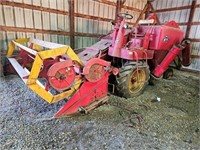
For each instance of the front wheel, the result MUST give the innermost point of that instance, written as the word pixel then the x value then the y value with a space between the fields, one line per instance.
pixel 130 81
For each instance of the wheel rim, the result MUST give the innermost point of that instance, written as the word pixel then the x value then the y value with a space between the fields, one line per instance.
pixel 136 81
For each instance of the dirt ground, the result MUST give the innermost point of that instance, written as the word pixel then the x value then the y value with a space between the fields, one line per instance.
pixel 172 123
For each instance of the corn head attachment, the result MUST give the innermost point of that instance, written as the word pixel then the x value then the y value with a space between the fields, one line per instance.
pixel 55 72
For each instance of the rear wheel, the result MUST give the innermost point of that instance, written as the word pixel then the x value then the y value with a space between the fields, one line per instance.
pixel 130 81
pixel 168 73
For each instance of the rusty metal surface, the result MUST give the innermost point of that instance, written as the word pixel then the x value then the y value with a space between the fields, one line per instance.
pixel 94 50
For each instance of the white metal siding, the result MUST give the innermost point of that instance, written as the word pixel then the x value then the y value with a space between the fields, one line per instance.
pixel 182 16
pixel 35 19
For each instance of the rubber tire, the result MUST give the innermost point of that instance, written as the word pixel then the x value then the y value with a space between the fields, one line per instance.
pixel 168 73
pixel 122 79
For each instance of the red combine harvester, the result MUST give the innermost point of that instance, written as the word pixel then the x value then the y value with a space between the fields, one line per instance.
pixel 127 55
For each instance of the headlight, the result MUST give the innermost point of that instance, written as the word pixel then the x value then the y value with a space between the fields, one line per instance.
pixel 125 26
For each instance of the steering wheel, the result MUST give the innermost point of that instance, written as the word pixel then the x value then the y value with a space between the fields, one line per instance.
pixel 125 16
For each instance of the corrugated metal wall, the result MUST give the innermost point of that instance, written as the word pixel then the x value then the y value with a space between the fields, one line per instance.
pixel 182 16
pixel 83 25
pixel 138 4
pixel 27 18
pixel 20 17
pixel 195 33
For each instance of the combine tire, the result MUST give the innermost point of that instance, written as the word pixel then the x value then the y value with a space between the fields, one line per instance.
pixel 129 84
pixel 168 73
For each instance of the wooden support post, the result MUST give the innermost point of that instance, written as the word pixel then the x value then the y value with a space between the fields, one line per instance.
pixel 192 10
pixel 153 10
pixel 118 7
pixel 71 16
pixel 147 9
pixel 1 66
pixel 176 8
pixel 142 13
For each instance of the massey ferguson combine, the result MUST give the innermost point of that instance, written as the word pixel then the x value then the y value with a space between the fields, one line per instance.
pixel 128 56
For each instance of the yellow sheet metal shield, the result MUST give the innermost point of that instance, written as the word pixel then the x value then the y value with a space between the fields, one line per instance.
pixel 33 82
pixel 12 45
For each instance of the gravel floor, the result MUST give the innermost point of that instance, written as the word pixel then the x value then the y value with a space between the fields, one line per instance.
pixel 172 123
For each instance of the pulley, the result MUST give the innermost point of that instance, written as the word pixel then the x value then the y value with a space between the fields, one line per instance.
pixel 61 75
